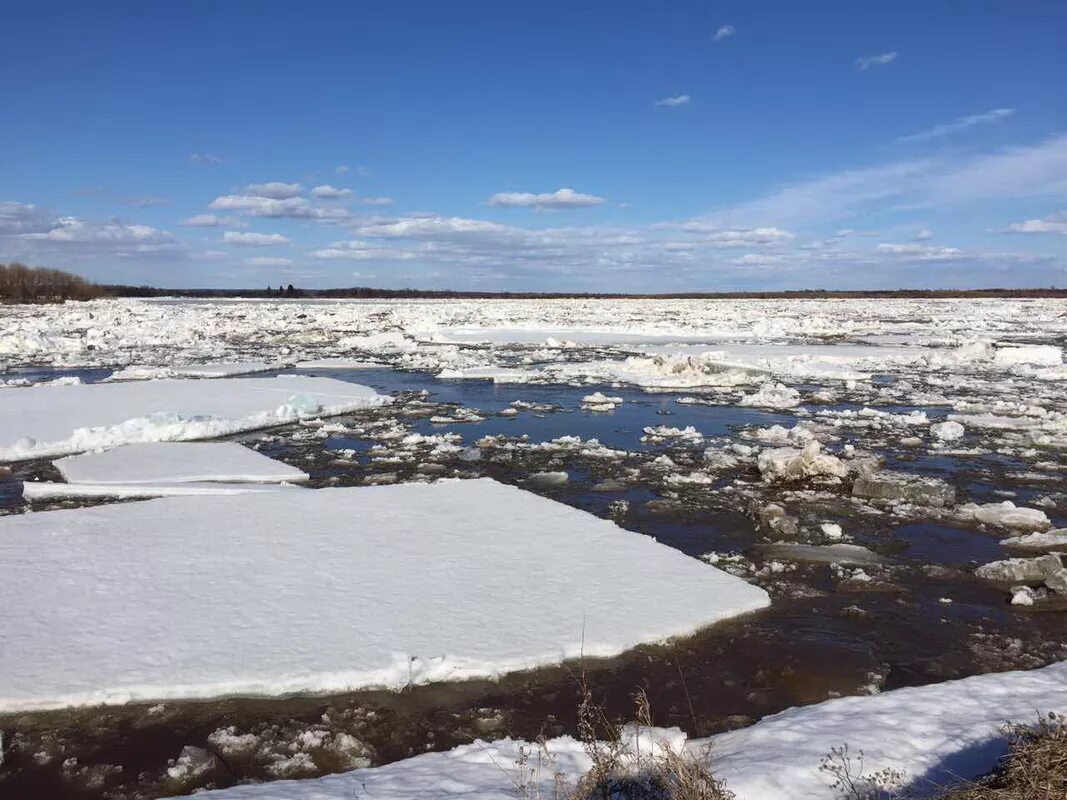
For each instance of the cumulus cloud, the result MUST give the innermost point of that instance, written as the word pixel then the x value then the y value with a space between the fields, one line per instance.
pixel 559 199
pixel 864 63
pixel 328 192
pixel 254 239
pixel 1053 223
pixel 268 261
pixel 376 201
pixel 212 221
pixel 673 101
pixel 204 158
pixel 724 32
pixel 960 124
pixel 276 190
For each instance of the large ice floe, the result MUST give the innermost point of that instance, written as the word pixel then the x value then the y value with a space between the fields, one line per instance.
pixel 164 469
pixel 56 420
pixel 177 462
pixel 928 737
pixel 330 590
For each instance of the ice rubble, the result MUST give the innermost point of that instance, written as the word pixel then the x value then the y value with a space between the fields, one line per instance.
pixel 176 462
pixel 49 421
pixel 329 590
pixel 938 734
pixel 788 464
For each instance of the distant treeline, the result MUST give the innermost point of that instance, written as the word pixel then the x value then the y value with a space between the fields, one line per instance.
pixel 22 284
pixel 363 292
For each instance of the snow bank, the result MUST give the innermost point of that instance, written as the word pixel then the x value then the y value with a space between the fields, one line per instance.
pixel 329 590
pixel 177 462
pixel 51 421
pixel 939 734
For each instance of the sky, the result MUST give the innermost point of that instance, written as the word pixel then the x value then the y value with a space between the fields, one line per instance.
pixel 552 146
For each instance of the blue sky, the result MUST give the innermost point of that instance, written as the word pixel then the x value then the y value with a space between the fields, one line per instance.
pixel 552 146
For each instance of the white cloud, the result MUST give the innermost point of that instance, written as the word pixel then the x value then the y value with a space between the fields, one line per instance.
pixel 957 125
pixel 326 191
pixel 341 169
pixel 923 252
pixel 376 201
pixel 254 239
pixel 268 261
pixel 357 250
pixel 276 190
pixel 724 32
pixel 866 62
pixel 291 207
pixel 923 235
pixel 415 227
pixel 673 101
pixel 1033 171
pixel 1053 223
pixel 71 230
pixel 16 218
pixel 212 221
pixel 561 198
pixel 736 237
pixel 204 158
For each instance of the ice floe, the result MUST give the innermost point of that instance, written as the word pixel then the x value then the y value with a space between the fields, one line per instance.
pixel 329 590
pixel 177 462
pixel 49 421
pixel 219 370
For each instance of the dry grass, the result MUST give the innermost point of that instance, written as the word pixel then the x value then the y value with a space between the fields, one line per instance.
pixel 1035 767
pixel 626 763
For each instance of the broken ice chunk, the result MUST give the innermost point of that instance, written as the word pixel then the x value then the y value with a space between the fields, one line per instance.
pixel 1020 570
pixel 899 488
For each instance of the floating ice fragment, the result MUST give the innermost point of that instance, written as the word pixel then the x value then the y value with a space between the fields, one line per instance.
pixel 1020 570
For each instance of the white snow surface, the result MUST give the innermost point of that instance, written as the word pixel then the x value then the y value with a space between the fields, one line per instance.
pixel 329 590
pixel 56 420
pixel 176 462
pixel 938 734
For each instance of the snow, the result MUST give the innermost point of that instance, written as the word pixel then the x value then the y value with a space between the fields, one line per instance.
pixel 329 590
pixel 939 734
pixel 50 421
pixel 177 462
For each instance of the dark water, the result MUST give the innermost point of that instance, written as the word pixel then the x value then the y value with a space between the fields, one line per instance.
pixel 924 618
